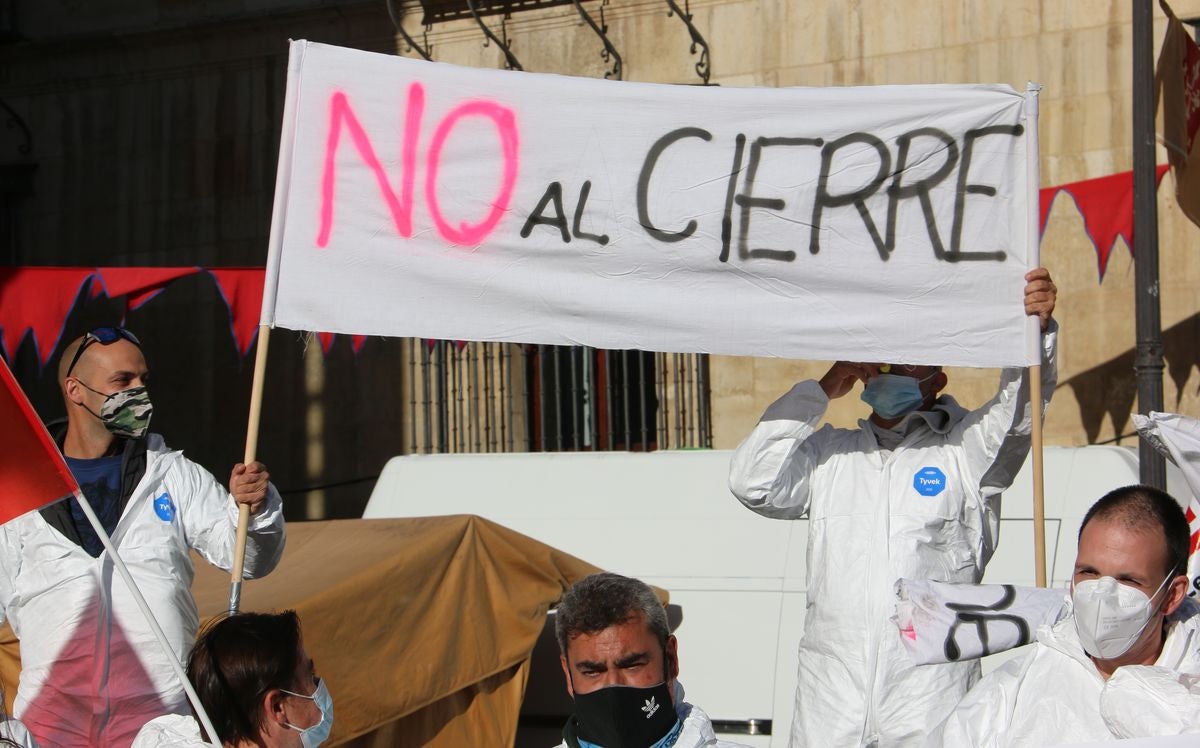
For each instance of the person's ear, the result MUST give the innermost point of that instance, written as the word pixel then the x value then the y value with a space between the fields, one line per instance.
pixel 274 718
pixel 1176 593
pixel 672 655
pixel 566 674
pixel 73 390
pixel 939 382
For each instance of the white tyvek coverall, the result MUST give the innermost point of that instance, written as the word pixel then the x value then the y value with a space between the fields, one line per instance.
pixel 1053 695
pixel 92 672
pixel 12 729
pixel 170 731
pixel 868 527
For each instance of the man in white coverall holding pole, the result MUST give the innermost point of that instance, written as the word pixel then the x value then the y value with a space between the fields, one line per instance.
pixel 913 492
pixel 1125 662
pixel 92 672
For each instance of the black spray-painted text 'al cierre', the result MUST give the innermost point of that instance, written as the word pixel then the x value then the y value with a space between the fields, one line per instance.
pixel 740 198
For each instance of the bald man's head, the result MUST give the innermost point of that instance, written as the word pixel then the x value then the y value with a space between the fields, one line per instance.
pixel 93 369
pixel 80 354
pixel 1152 510
pixel 100 369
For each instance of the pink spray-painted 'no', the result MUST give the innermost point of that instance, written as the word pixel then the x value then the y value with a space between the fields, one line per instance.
pixel 341 116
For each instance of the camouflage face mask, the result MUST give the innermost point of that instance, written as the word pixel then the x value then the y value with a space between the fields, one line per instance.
pixel 126 413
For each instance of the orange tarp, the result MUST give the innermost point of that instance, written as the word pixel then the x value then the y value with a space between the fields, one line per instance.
pixel 421 627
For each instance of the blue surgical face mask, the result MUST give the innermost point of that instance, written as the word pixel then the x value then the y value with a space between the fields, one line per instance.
pixel 893 395
pixel 310 737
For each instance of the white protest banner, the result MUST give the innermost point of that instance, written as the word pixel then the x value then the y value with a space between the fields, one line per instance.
pixel 950 622
pixel 427 200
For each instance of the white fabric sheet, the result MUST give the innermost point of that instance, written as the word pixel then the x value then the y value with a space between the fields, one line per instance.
pixel 944 622
pixel 1178 439
pixel 422 199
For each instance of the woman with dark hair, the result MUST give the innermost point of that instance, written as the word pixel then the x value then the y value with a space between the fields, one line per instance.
pixel 257 684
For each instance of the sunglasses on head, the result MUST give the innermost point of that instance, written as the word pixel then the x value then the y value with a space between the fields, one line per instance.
pixel 901 368
pixel 103 336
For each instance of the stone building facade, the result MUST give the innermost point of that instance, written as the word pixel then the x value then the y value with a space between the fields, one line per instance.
pixel 155 128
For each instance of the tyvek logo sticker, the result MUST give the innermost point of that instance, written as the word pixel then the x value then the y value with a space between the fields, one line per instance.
pixel 929 481
pixel 164 508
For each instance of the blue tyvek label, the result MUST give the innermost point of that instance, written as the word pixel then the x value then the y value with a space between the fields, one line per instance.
pixel 929 481
pixel 164 507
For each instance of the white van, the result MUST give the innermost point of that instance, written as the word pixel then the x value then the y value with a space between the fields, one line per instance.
pixel 735 578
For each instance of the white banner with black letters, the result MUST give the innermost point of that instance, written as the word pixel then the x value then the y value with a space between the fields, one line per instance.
pixel 950 622
pixel 427 200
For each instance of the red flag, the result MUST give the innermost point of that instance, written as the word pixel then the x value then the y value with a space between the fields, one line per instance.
pixel 1193 567
pixel 32 470
pixel 1177 84
pixel 37 301
pixel 1106 204
pixel 140 284
pixel 242 289
pixel 326 339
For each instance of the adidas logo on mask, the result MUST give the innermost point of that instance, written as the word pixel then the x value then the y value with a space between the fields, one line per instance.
pixel 650 707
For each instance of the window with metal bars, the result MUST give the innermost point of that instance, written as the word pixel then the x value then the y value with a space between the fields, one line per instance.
pixel 436 11
pixel 501 397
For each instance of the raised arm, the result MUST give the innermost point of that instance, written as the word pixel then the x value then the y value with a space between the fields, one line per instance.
pixel 210 517
pixel 771 469
pixel 996 436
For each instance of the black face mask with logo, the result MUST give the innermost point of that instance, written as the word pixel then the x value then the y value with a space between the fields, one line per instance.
pixel 624 716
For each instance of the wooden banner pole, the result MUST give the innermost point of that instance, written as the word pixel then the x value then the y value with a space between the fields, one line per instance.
pixel 256 394
pixel 1039 502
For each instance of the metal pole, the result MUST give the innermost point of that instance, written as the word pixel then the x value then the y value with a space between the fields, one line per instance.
pixel 590 413
pixel 558 392
pixel 427 404
pixel 576 399
pixel 412 344
pixel 442 399
pixel 473 383
pixel 704 402
pixel 677 379
pixel 689 379
pixel 1148 362
pixel 488 400
pixel 609 368
pixel 626 391
pixel 660 377
pixel 506 436
pixel 460 421
pixel 641 394
pixel 542 389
